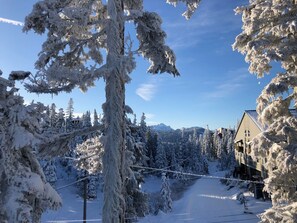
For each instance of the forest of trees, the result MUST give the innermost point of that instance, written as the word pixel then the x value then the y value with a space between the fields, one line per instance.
pixel 178 151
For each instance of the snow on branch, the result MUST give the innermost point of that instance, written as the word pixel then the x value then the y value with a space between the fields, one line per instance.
pixel 57 79
pixel 275 99
pixel 269 34
pixel 192 5
pixel 58 145
pixel 152 44
pixel 70 56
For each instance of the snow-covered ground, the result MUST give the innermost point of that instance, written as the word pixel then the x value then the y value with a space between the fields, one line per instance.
pixel 72 207
pixel 207 201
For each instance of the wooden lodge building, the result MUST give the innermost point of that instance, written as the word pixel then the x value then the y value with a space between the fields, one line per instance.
pixel 248 128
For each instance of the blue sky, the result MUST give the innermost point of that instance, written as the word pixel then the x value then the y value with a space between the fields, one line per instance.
pixel 214 88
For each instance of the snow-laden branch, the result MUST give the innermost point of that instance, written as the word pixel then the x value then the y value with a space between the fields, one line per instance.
pixel 76 33
pixel 56 79
pixel 58 145
pixel 192 5
pixel 275 99
pixel 152 44
pixel 269 34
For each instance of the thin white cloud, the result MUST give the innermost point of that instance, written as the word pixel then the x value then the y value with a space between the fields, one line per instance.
pixel 201 25
pixel 12 22
pixel 233 82
pixel 146 91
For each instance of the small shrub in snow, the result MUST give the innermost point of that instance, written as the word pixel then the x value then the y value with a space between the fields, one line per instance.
pixel 241 198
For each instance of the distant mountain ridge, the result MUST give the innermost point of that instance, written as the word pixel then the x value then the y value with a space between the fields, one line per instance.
pixel 161 128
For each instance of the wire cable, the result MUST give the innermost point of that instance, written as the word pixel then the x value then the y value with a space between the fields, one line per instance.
pixel 209 176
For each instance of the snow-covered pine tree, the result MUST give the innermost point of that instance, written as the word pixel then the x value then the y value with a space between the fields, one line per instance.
pixel 207 148
pixel 196 164
pixel 143 128
pixel 136 200
pixel 173 160
pixel 89 158
pixel 221 149
pixel 86 120
pixel 216 143
pixel 61 120
pixel 71 57
pixel 49 169
pixel 151 146
pixel 53 115
pixel 166 194
pixel 161 159
pixel 70 109
pixel 270 35
pixel 24 192
pixel 69 116
pixel 96 119
pixel 231 162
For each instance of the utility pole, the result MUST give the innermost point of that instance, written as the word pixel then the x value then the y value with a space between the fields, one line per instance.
pixel 85 198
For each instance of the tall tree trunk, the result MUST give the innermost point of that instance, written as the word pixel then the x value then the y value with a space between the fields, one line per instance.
pixel 114 112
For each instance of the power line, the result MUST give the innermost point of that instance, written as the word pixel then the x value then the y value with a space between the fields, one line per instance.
pixel 209 176
pixel 67 185
pixel 167 167
pixel 187 174
pixel 66 221
pixel 88 220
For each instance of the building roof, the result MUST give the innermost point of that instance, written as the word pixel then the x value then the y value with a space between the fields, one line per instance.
pixel 254 116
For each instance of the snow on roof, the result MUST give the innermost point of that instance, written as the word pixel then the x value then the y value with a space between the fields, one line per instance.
pixel 254 116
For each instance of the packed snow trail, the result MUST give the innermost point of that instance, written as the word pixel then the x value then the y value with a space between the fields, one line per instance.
pixel 209 201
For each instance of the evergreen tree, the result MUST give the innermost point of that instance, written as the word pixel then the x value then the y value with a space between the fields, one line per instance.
pixel 69 116
pixel 269 35
pixel 166 194
pixel 136 200
pixel 61 120
pixel 143 128
pixel 173 159
pixel 89 161
pixel 96 119
pixel 70 109
pixel 49 170
pixel 217 144
pixel 86 120
pixel 71 57
pixel 24 192
pixel 231 162
pixel 151 147
pixel 207 149
pixel 161 159
pixel 53 115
